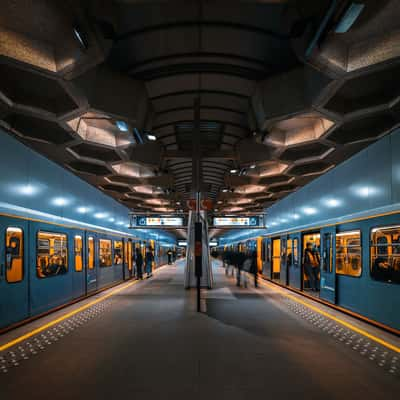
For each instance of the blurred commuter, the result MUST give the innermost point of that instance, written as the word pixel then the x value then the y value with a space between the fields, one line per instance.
pixel 149 262
pixel 173 255
pixel 239 259
pixel 253 267
pixel 226 259
pixel 169 254
pixel 139 263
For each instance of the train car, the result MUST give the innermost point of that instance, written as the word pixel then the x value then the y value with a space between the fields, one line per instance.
pixel 357 268
pixel 337 238
pixel 49 265
pixel 357 265
pixel 60 238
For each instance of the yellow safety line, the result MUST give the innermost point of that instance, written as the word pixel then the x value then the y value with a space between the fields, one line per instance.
pixel 336 319
pixel 64 317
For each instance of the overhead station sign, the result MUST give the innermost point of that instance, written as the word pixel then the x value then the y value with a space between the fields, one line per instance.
pixel 236 221
pixel 159 221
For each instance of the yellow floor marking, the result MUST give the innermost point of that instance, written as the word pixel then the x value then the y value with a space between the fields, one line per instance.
pixel 63 317
pixel 336 319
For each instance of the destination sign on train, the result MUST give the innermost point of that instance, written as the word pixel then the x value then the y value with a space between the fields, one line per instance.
pixel 159 221
pixel 236 221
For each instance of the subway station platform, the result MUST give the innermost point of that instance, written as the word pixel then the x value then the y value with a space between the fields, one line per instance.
pixel 145 340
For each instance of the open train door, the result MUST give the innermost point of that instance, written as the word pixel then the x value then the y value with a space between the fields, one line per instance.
pixel 293 261
pixel 328 270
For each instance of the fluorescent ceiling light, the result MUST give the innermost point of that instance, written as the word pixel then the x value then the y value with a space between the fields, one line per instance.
pixel 252 166
pixel 332 203
pixel 151 137
pixel 100 215
pixel 233 171
pixel 60 201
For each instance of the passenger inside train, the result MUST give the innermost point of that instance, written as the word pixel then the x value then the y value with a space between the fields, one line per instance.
pixel 311 262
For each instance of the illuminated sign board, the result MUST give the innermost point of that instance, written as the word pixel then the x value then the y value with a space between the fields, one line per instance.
pixel 159 221
pixel 236 221
pixel 183 243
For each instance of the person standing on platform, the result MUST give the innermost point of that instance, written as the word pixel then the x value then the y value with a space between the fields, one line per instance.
pixel 139 263
pixel 169 254
pixel 253 267
pixel 173 255
pixel 149 262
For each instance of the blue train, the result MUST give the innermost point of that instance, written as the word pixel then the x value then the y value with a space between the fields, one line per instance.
pixel 356 265
pixel 60 238
pixel 47 265
pixel 349 218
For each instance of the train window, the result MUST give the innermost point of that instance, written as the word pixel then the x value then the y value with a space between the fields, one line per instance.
pixel 105 253
pixel 296 252
pixel 90 252
pixel 118 252
pixel 268 255
pixel 51 254
pixel 276 258
pixel 348 253
pixel 385 254
pixel 78 253
pixel 129 255
pixel 14 255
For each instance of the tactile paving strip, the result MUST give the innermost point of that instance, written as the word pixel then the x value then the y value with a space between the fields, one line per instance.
pixel 385 358
pixel 36 344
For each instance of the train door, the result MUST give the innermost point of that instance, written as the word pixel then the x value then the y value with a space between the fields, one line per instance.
pixel 14 271
pixel 293 261
pixel 283 274
pixel 328 273
pixel 128 270
pixel 78 270
pixel 267 267
pixel 276 258
pixel 91 268
pixel 311 262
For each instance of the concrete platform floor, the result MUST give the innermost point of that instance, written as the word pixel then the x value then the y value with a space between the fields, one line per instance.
pixel 150 343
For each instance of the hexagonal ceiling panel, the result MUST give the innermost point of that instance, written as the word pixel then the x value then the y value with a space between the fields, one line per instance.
pixel 312 150
pixel 95 152
pixel 21 88
pixel 40 129
pixel 299 129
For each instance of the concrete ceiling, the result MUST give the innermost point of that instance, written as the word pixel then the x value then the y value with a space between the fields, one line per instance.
pixel 283 96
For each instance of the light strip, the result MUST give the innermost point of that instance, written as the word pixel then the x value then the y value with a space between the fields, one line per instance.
pixel 53 217
pixel 382 228
pixel 336 319
pixel 348 233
